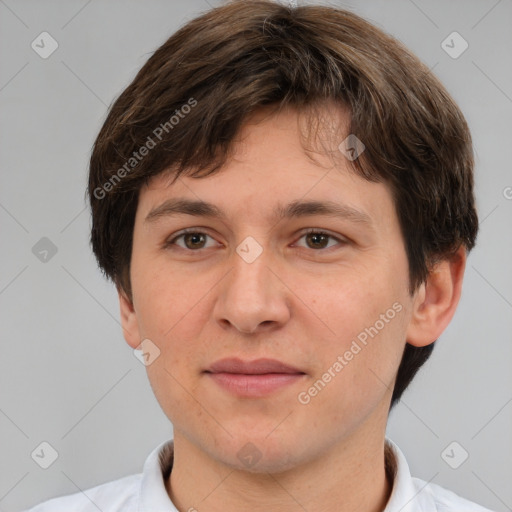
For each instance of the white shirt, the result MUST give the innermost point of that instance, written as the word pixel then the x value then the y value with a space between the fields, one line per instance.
pixel 145 492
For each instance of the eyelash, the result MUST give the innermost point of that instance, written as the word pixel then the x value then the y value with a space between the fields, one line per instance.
pixel 171 242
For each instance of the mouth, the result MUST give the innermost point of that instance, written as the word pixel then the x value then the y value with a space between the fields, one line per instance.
pixel 253 379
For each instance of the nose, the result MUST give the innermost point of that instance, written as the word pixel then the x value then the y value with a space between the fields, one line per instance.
pixel 253 297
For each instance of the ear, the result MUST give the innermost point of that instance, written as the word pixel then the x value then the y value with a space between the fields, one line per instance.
pixel 129 321
pixel 436 300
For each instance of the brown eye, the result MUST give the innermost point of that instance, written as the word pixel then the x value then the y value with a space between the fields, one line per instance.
pixel 194 240
pixel 317 240
pixel 189 240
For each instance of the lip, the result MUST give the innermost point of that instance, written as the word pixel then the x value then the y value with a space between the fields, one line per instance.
pixel 253 379
pixel 255 367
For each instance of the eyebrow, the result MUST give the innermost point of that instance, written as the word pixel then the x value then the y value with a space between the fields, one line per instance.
pixel 294 209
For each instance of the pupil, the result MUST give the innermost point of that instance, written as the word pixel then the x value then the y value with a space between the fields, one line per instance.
pixel 315 237
pixel 194 238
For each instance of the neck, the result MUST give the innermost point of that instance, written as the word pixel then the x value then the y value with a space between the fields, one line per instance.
pixel 351 476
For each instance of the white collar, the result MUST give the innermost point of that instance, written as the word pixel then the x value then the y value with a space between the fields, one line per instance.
pixel 407 495
pixel 153 494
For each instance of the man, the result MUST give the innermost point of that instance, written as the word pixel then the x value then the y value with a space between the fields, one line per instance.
pixel 283 198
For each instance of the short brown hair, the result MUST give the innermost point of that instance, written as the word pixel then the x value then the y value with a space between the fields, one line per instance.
pixel 188 102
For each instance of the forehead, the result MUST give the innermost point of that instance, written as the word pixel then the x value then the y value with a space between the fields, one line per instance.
pixel 273 165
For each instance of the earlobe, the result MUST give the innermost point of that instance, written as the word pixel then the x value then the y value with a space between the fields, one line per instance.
pixel 129 321
pixel 436 300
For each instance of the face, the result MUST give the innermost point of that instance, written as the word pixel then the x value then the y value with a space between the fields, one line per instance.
pixel 281 320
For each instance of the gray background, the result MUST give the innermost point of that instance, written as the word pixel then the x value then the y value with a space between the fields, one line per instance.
pixel 68 377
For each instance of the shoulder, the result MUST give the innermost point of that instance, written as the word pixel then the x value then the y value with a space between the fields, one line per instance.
pixel 115 496
pixel 444 499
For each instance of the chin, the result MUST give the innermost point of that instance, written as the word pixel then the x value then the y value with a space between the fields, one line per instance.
pixel 259 454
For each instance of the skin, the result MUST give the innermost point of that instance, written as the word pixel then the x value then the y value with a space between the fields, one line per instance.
pixel 302 301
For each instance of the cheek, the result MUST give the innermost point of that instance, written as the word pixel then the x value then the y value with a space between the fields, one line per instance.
pixel 357 372
pixel 165 298
pixel 168 313
pixel 367 317
pixel 349 301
